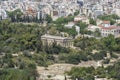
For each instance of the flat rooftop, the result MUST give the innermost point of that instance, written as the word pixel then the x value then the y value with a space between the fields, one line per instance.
pixel 54 37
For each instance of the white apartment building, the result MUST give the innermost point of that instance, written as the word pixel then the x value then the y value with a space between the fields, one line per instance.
pixel 3 14
pixel 107 29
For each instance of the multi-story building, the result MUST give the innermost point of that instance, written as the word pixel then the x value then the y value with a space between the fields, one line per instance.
pixel 81 18
pixel 63 41
pixel 3 14
pixel 107 29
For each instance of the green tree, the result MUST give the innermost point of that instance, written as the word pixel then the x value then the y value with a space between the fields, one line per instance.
pixel 92 21
pixel 48 18
pixel 109 42
pixel 112 18
pixel 82 26
pixel 97 33
pixel 15 15
pixel 76 13
pixel 82 73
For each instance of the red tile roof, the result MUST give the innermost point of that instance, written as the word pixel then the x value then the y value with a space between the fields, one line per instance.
pixel 110 27
pixel 106 22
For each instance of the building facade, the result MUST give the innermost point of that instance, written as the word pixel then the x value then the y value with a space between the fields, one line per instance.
pixel 107 29
pixel 62 41
pixel 110 30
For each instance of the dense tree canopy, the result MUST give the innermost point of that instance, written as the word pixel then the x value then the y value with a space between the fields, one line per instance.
pixel 19 37
pixel 112 18
pixel 110 72
pixel 25 40
pixel 92 21
pixel 83 27
pixel 82 73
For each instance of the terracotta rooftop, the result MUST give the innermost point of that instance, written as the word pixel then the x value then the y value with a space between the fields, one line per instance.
pixel 110 27
pixel 106 22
